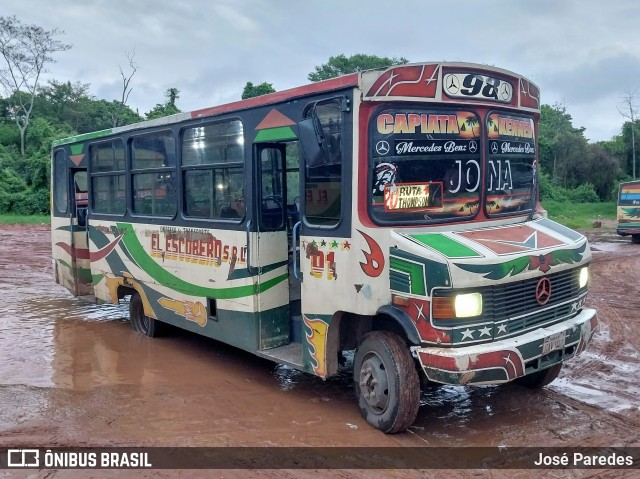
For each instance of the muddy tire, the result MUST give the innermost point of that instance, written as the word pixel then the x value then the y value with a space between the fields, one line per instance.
pixel 141 322
pixel 386 382
pixel 635 239
pixel 540 379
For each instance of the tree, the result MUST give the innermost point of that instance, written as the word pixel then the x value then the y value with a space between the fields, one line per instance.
pixel 26 50
pixel 126 89
pixel 168 107
pixel 629 110
pixel 561 146
pixel 601 170
pixel 341 65
pixel 251 90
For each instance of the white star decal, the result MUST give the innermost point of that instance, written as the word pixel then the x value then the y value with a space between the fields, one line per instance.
pixel 420 312
pixel 468 334
pixel 485 331
pixel 502 328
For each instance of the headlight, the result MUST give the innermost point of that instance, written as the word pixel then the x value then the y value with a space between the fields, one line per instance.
pixel 584 277
pixel 459 306
pixel 468 305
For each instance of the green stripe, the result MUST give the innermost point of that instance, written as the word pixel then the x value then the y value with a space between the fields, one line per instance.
pixel 163 277
pixel 415 272
pixel 83 137
pixel 445 245
pixel 273 134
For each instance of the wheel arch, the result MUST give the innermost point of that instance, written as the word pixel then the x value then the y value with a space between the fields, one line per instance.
pixel 346 330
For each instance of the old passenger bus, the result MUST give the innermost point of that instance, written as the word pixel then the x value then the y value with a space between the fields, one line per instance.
pixel 629 210
pixel 390 212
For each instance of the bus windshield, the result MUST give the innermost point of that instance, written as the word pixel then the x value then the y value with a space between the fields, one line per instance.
pixel 629 194
pixel 511 164
pixel 427 165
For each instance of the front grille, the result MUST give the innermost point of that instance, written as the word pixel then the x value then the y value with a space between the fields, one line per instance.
pixel 513 300
pixel 516 302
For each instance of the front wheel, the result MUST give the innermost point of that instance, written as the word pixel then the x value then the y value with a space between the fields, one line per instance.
pixel 386 382
pixel 635 239
pixel 540 379
pixel 140 322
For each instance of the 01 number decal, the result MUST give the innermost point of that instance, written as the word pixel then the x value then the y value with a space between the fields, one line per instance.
pixel 472 85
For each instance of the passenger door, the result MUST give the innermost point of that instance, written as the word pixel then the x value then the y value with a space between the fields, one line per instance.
pixel 70 232
pixel 269 255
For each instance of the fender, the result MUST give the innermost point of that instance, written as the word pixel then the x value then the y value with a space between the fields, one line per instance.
pixel 403 319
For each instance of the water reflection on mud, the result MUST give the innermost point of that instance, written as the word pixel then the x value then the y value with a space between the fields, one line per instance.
pixel 74 373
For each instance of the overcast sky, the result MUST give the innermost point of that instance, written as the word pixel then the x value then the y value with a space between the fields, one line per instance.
pixel 582 53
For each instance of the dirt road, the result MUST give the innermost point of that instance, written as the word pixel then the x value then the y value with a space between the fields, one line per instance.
pixel 75 374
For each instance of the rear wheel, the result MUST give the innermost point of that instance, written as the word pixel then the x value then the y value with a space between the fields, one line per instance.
pixel 140 322
pixel 386 382
pixel 540 379
pixel 635 239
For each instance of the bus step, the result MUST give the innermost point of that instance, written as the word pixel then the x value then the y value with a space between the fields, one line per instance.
pixel 290 355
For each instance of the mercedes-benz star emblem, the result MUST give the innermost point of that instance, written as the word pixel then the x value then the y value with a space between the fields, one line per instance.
pixel 543 291
pixel 473 146
pixel 452 85
pixel 494 148
pixel 382 148
pixel 505 91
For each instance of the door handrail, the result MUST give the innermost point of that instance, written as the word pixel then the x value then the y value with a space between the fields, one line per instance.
pixel 294 245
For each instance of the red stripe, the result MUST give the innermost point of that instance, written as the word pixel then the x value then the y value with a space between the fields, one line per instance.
pixel 327 85
pixel 78 253
pixel 101 253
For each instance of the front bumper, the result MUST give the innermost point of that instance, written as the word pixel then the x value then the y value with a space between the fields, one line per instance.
pixel 505 360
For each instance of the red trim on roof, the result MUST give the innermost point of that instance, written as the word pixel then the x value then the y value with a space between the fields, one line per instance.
pixel 326 85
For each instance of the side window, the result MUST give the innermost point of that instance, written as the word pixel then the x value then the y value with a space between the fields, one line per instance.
pixel 60 182
pixel 323 197
pixel 153 174
pixel 108 191
pixel 272 186
pixel 213 171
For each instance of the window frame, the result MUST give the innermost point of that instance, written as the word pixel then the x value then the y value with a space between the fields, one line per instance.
pixel 228 170
pixel 136 171
pixel 114 173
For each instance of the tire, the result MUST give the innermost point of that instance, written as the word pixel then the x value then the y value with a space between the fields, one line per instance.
pixel 635 239
pixel 540 379
pixel 140 322
pixel 386 382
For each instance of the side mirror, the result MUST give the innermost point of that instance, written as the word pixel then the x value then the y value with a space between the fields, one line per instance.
pixel 312 141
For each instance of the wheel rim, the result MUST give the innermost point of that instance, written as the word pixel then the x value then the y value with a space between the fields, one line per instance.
pixel 374 382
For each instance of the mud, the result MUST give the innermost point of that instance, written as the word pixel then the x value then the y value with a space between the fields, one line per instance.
pixel 75 374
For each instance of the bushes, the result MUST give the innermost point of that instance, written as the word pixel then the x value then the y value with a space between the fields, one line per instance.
pixel 585 193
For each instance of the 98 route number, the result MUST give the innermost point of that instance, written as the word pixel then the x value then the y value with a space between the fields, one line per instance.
pixel 472 85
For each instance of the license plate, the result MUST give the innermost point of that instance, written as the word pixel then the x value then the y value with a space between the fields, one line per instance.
pixel 553 342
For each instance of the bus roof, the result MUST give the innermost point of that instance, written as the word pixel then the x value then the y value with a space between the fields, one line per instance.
pixel 401 82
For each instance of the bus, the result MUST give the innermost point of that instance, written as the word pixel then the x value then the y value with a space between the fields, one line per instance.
pixel 629 210
pixel 389 216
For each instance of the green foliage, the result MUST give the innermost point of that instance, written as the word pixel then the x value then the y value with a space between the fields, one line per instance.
pixel 251 90
pixel 9 134
pixel 565 155
pixel 584 193
pixel 341 65
pixel 168 107
pixel 550 191
pixel 627 135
